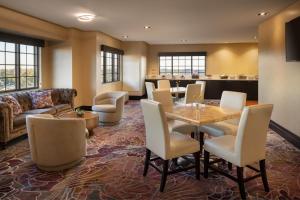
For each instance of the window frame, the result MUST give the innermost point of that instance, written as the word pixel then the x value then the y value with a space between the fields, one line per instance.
pixel 17 65
pixel 181 54
pixel 116 54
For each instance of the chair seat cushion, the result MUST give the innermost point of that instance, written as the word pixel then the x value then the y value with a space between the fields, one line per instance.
pixel 104 108
pixel 181 145
pixel 62 107
pixel 219 129
pixel 222 147
pixel 181 127
pixel 51 111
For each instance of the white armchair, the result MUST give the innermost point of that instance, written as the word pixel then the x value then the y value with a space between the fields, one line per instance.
pixel 163 85
pixel 150 87
pixel 165 144
pixel 165 98
pixel 231 100
pixel 110 106
pixel 244 149
pixel 56 144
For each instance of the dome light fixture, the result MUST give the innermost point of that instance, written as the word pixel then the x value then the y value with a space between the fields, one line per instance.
pixel 262 14
pixel 86 17
pixel 147 27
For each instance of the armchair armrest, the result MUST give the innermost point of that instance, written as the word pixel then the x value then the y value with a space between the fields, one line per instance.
pixel 6 122
pixel 103 98
pixel 66 95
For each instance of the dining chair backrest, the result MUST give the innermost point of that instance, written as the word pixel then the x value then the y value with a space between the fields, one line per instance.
pixel 165 98
pixel 163 85
pixel 157 134
pixel 233 100
pixel 150 87
pixel 203 85
pixel 252 133
pixel 193 93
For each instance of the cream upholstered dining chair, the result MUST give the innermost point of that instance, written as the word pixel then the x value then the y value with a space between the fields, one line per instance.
pixel 150 87
pixel 109 106
pixel 229 100
pixel 244 149
pixel 192 94
pixel 56 144
pixel 203 85
pixel 165 98
pixel 166 145
pixel 163 85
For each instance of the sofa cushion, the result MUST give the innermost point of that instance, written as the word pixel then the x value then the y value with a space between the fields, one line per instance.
pixel 51 111
pixel 19 120
pixel 41 99
pixel 62 107
pixel 104 108
pixel 24 100
pixel 13 104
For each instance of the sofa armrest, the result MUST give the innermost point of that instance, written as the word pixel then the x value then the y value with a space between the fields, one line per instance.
pixel 66 95
pixel 6 121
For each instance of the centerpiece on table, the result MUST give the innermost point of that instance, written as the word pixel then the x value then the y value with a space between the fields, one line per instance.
pixel 79 112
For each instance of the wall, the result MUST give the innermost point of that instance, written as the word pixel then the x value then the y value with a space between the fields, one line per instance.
pixel 222 58
pixel 279 80
pixel 134 67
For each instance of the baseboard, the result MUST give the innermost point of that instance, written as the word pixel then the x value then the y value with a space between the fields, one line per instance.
pixel 286 134
pixel 89 108
pixel 137 97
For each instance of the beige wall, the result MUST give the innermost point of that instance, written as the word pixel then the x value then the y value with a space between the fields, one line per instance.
pixel 134 67
pixel 279 80
pixel 221 58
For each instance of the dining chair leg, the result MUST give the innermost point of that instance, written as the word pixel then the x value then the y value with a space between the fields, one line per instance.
pixel 240 176
pixel 192 135
pixel 201 142
pixel 206 163
pixel 197 164
pixel 164 175
pixel 147 161
pixel 229 166
pixel 263 173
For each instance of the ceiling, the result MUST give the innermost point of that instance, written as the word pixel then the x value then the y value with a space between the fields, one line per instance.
pixel 172 21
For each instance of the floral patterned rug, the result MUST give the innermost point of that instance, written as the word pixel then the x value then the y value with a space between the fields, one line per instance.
pixel 114 164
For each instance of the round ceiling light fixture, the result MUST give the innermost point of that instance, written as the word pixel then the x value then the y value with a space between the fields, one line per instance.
pixel 147 27
pixel 86 17
pixel 262 14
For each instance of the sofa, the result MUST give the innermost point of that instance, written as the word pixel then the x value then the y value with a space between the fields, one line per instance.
pixel 12 127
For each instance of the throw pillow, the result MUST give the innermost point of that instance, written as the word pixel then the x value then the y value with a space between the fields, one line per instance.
pixel 41 99
pixel 13 104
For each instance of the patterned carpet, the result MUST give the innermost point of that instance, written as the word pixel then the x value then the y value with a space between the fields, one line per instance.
pixel 114 164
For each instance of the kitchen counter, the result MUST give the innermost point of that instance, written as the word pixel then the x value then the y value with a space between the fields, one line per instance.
pixel 215 86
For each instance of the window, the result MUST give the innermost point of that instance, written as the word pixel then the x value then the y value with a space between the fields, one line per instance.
pixel 182 63
pixel 110 64
pixel 19 63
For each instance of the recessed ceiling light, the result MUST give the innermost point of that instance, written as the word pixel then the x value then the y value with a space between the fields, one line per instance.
pixel 147 27
pixel 262 14
pixel 125 36
pixel 86 17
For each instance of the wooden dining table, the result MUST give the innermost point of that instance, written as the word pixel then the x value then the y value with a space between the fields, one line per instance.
pixel 201 114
